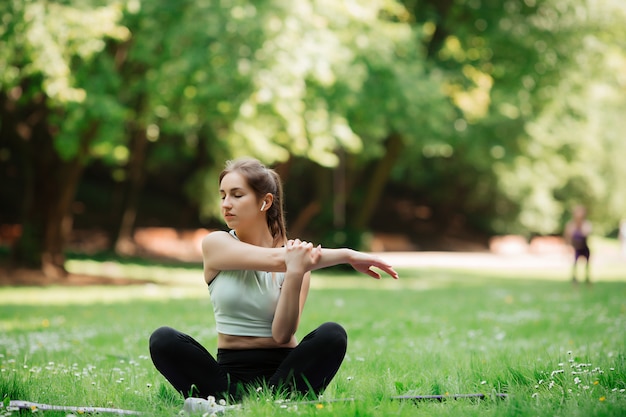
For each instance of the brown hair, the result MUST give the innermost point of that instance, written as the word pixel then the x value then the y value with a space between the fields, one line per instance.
pixel 263 180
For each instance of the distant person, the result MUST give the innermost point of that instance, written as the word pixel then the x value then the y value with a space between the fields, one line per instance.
pixel 258 280
pixel 577 232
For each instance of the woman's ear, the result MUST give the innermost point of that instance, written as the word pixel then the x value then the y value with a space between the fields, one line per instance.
pixel 267 201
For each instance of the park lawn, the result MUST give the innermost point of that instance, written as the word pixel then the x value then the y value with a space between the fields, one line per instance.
pixel 553 348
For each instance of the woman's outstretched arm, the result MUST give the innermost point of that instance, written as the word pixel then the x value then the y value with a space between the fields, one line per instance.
pixel 222 252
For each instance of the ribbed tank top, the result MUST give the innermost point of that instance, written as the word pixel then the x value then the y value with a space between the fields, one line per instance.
pixel 244 302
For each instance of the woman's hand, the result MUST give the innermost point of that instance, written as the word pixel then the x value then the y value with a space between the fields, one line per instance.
pixel 363 262
pixel 301 256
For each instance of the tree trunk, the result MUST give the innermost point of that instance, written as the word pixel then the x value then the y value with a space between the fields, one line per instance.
pixel 379 178
pixel 124 242
pixel 49 185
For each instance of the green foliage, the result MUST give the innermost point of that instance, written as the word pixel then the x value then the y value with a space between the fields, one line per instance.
pixel 509 112
pixel 49 48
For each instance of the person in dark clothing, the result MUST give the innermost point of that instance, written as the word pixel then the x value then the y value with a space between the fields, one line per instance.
pixel 577 232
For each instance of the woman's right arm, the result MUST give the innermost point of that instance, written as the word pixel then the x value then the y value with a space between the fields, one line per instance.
pixel 221 252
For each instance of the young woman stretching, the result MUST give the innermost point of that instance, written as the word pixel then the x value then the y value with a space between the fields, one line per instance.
pixel 258 281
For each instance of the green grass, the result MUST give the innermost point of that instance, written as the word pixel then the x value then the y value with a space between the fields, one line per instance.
pixel 435 331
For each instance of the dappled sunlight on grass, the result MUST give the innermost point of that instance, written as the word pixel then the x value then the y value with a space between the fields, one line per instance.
pixel 176 282
pixel 157 272
pixel 59 295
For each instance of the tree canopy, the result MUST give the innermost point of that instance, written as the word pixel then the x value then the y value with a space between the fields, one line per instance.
pixel 498 115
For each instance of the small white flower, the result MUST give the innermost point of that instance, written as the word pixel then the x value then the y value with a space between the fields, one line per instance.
pixel 540 381
pixel 551 384
pixel 149 385
pixel 350 378
pixel 585 386
pixel 569 352
pixel 622 390
pixel 535 395
pixel 222 401
pixel 483 382
pixel 561 364
pixel 612 369
pixel 614 389
pixel 577 381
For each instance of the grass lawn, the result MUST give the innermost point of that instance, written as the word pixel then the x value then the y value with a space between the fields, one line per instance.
pixel 555 349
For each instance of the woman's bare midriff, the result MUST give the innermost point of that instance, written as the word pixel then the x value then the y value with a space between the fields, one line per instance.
pixel 227 341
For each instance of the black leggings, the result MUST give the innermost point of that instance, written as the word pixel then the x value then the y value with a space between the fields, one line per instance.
pixel 305 369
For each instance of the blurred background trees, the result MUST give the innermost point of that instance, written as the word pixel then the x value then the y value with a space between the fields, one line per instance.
pixel 427 118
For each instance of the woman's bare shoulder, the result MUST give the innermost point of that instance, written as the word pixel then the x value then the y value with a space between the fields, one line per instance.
pixel 215 236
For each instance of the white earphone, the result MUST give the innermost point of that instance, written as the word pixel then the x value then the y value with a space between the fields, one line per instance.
pixel 263 206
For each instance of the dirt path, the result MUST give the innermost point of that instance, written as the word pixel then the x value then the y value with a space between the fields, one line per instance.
pixel 610 263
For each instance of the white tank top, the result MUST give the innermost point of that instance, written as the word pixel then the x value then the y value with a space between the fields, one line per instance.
pixel 244 302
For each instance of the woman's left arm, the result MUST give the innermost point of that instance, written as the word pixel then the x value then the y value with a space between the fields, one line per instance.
pixel 298 258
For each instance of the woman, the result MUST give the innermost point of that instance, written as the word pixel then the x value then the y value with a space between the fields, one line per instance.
pixel 258 281
pixel 577 231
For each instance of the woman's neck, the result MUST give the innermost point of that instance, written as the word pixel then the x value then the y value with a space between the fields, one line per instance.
pixel 261 237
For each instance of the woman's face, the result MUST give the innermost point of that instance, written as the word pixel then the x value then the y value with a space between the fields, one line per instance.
pixel 239 202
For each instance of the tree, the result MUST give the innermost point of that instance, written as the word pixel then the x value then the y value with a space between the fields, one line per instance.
pixel 49 115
